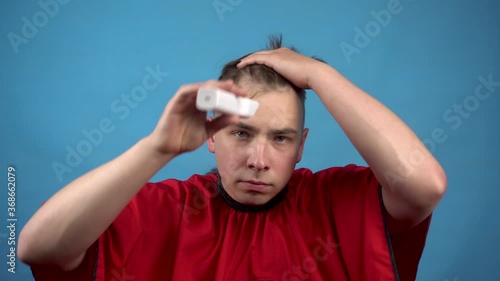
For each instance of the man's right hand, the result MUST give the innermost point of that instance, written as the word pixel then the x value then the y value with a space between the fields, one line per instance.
pixel 182 127
pixel 61 231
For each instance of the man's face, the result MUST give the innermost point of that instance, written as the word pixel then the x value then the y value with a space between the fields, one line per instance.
pixel 256 158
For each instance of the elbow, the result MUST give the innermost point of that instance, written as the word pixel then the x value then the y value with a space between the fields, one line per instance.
pixel 432 186
pixel 31 252
pixel 29 248
pixel 440 182
pixel 24 248
pixel 437 184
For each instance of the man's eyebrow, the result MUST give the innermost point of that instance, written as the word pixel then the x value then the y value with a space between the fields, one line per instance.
pixel 284 131
pixel 246 127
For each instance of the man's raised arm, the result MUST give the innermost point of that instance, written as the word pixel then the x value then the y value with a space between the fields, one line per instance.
pixel 61 231
pixel 412 179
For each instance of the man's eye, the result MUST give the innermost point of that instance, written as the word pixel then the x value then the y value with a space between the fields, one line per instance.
pixel 281 139
pixel 241 134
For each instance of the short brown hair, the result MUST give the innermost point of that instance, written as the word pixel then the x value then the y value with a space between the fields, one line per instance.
pixel 263 74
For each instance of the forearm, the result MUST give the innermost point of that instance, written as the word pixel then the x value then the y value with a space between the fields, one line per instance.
pixel 69 222
pixel 399 160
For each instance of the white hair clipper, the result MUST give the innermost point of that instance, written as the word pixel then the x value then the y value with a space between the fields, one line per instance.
pixel 218 100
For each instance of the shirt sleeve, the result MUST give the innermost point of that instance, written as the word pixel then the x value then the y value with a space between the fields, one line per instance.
pixel 120 250
pixel 408 247
pixel 357 206
pixel 84 272
pixel 118 243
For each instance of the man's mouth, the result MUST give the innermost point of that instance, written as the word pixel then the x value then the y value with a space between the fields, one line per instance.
pixel 256 182
pixel 256 186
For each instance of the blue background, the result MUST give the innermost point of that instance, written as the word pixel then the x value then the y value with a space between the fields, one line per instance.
pixel 424 61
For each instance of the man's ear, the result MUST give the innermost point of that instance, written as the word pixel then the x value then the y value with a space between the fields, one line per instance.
pixel 210 141
pixel 301 147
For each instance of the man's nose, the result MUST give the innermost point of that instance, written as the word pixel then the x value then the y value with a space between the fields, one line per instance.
pixel 258 160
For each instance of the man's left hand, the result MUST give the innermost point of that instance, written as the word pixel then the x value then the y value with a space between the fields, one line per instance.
pixel 295 67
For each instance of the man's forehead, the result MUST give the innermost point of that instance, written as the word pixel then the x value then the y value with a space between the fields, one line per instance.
pixel 254 93
pixel 254 88
pixel 276 111
pixel 279 106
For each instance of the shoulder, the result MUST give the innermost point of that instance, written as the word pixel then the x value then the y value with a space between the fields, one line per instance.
pixel 350 174
pixel 166 196
pixel 350 183
pixel 159 203
pixel 337 185
pixel 175 188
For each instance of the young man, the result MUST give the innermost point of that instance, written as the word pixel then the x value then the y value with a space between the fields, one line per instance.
pixel 257 218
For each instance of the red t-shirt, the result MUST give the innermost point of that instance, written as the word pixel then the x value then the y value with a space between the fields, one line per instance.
pixel 329 225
